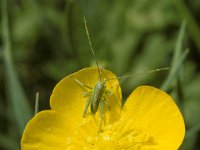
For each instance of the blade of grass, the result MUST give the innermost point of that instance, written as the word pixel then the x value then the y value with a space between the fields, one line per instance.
pixel 178 47
pixel 37 103
pixel 192 23
pixel 15 93
pixel 174 70
pixel 177 60
pixel 177 54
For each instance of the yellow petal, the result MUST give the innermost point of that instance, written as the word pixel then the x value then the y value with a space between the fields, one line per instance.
pixel 48 130
pixel 67 96
pixel 154 113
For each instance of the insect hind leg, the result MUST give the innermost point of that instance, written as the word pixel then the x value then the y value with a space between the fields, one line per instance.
pixel 87 105
pixel 102 105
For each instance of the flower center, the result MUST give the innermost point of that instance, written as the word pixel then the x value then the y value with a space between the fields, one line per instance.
pixel 120 135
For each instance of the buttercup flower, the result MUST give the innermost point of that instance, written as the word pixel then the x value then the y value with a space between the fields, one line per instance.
pixel 149 119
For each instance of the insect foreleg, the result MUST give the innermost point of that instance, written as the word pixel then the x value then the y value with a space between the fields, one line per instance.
pixel 84 86
pixel 87 105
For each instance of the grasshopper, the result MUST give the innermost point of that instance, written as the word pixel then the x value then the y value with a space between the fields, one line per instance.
pixel 97 95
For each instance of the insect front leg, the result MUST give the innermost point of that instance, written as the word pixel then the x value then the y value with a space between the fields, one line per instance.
pixel 87 89
pixel 82 85
pixel 87 105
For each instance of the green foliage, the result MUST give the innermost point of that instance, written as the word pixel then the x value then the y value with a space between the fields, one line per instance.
pixel 44 41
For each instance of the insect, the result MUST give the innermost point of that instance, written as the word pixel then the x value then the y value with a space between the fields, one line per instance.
pixel 97 95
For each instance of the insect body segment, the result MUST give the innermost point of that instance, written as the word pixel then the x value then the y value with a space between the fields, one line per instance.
pixel 98 92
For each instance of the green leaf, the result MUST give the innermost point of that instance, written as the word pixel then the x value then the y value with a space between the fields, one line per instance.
pixel 15 93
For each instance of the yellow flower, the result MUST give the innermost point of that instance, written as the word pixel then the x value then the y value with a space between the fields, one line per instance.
pixel 149 120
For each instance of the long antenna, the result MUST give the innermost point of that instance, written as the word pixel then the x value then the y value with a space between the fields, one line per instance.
pixel 142 73
pixel 90 43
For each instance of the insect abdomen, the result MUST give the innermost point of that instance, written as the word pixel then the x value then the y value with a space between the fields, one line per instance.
pixel 97 96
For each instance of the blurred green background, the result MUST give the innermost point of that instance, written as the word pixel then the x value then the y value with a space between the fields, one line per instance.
pixel 42 41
